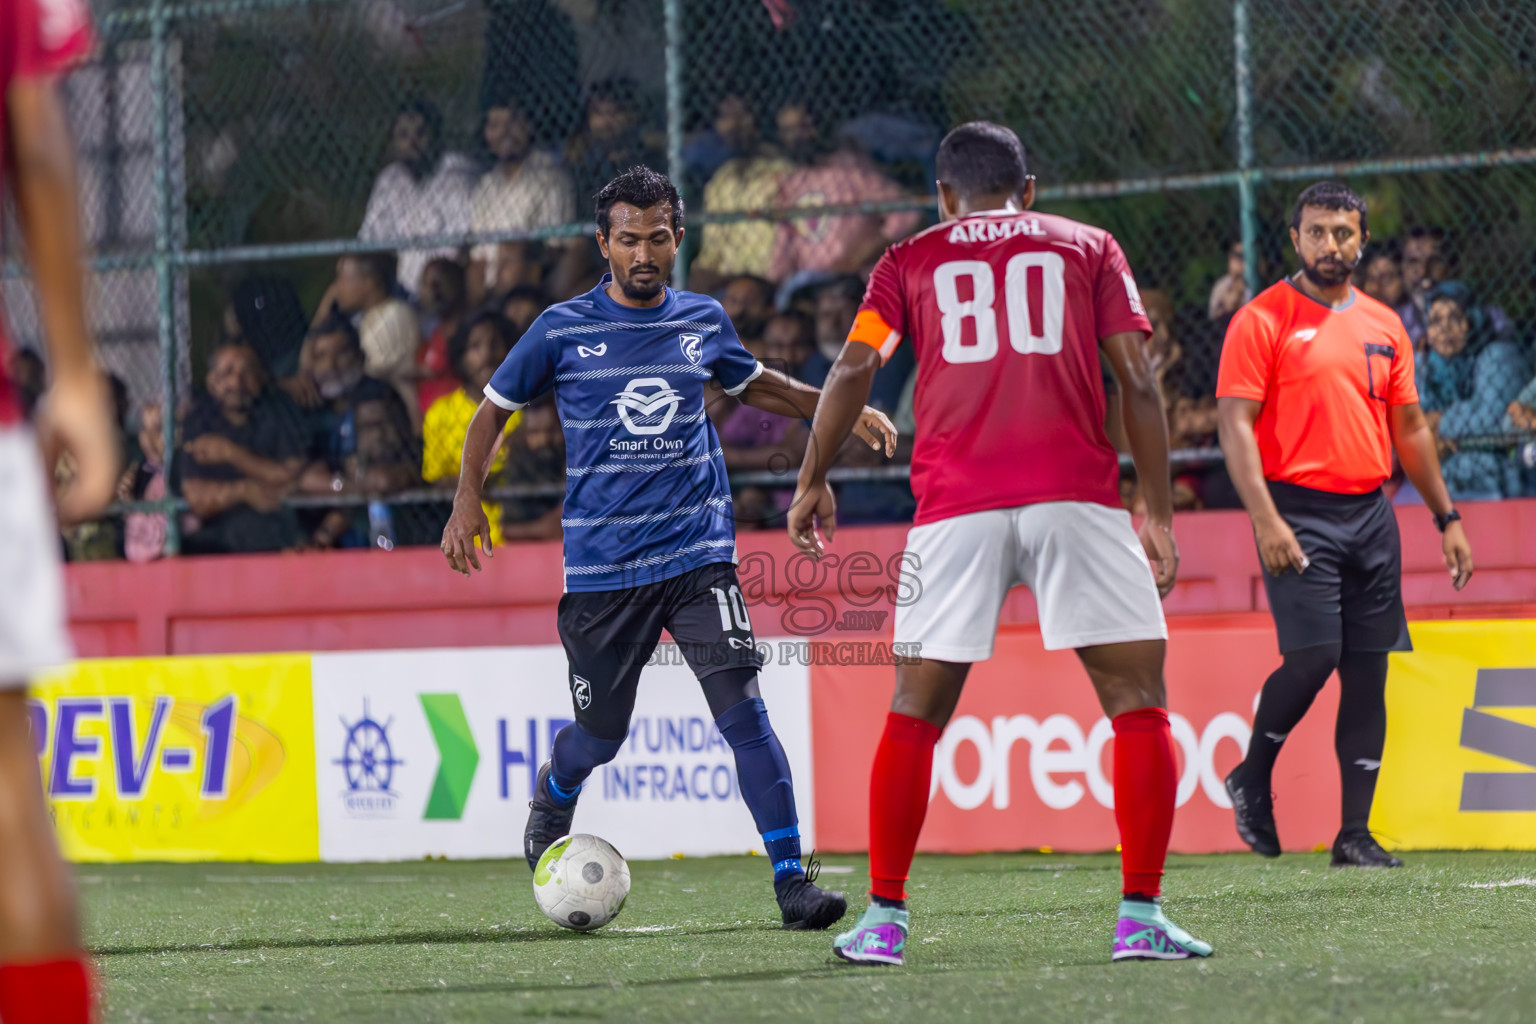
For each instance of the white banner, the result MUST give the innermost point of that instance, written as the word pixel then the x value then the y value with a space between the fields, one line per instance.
pixel 433 753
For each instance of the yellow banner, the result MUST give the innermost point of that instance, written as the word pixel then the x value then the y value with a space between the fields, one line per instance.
pixel 182 759
pixel 1459 769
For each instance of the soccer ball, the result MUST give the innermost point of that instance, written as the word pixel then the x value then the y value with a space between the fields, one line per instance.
pixel 581 882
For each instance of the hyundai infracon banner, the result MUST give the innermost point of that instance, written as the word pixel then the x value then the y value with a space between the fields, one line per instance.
pixel 434 752
pixel 185 759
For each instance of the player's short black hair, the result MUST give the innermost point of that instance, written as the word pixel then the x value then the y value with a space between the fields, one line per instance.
pixel 379 267
pixel 337 322
pixel 1329 195
pixel 458 344
pixel 641 188
pixel 981 158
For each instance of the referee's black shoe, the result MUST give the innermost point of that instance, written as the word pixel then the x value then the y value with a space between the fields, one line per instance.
pixel 804 905
pixel 1253 807
pixel 1361 850
pixel 548 819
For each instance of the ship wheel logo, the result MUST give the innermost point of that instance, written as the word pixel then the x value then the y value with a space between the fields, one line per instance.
pixel 367 759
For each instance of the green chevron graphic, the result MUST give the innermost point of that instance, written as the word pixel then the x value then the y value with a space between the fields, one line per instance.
pixel 457 756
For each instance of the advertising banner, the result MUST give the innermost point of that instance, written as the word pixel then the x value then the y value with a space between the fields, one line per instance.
pixel 181 759
pixel 1459 769
pixel 1027 760
pixel 434 753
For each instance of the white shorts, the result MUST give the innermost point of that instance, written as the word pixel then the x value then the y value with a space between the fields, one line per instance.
pixel 32 629
pixel 1086 566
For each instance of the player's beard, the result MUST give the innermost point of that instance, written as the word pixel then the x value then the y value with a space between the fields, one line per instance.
pixel 1329 272
pixel 644 292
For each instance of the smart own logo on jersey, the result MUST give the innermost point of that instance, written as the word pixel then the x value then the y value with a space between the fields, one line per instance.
pixel 692 346
pixel 645 398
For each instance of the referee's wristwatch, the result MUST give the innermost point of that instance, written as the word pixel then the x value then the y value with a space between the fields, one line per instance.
pixel 1441 522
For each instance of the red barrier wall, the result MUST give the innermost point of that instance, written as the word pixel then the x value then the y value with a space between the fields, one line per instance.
pixel 372 600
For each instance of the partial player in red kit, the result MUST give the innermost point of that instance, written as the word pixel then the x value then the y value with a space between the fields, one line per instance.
pixel 1008 312
pixel 44 974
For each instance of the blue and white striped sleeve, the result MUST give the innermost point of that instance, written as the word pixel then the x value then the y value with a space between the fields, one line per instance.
pixel 735 367
pixel 528 371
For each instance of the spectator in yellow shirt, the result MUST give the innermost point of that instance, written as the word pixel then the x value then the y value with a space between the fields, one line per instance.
pixel 750 180
pixel 474 352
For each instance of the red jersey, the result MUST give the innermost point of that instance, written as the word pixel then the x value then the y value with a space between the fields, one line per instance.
pixel 38 38
pixel 1005 311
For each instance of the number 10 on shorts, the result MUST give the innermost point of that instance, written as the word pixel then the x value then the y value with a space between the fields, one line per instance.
pixel 732 606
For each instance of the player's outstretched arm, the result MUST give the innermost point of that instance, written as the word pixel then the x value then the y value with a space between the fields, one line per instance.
pixel 1415 444
pixel 468 521
pixel 841 406
pixel 1146 427
pixel 776 392
pixel 77 411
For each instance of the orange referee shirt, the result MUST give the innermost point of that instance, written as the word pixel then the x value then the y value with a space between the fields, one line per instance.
pixel 1326 377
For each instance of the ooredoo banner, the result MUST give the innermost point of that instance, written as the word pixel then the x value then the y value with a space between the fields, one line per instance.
pixel 1026 762
pixel 434 753
pixel 182 759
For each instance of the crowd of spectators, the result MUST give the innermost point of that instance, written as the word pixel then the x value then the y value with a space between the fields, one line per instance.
pixel 342 425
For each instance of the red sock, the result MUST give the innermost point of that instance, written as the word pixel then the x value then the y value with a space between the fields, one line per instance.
pixel 898 801
pixel 50 992
pixel 1145 783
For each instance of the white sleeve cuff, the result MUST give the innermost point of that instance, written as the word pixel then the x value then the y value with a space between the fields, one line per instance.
pixel 505 403
pixel 757 371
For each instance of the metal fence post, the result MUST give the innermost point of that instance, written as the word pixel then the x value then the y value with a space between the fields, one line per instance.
pixel 160 85
pixel 1245 182
pixel 674 29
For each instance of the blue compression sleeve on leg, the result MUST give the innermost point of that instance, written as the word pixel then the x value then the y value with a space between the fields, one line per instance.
pixel 763 771
pixel 576 753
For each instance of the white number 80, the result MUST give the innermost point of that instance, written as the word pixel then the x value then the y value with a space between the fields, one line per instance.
pixel 1024 336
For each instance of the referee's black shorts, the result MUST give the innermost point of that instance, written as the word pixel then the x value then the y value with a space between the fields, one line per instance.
pixel 609 636
pixel 1352 591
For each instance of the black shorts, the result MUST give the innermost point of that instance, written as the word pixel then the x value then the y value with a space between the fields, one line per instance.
pixel 609 635
pixel 1352 591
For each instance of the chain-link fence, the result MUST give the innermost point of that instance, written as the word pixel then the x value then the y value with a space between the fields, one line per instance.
pixel 350 191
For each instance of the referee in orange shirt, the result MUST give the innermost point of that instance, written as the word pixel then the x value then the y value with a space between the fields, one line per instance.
pixel 1315 390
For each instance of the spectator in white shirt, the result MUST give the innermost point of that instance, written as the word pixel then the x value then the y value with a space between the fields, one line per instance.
pixel 422 193
pixel 387 327
pixel 526 190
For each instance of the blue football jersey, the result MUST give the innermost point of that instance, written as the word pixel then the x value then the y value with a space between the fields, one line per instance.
pixel 646 495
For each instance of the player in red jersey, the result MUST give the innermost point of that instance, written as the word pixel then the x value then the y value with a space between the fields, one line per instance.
pixel 44 974
pixel 1016 482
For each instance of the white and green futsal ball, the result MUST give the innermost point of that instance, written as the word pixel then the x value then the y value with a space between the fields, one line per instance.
pixel 581 882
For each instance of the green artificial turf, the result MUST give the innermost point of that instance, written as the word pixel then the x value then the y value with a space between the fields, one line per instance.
pixel 996 938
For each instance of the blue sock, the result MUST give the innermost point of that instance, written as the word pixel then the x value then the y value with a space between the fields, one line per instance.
pixel 576 753
pixel 763 771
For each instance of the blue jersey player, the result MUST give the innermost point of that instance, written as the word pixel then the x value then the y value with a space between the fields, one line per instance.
pixel 649 538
